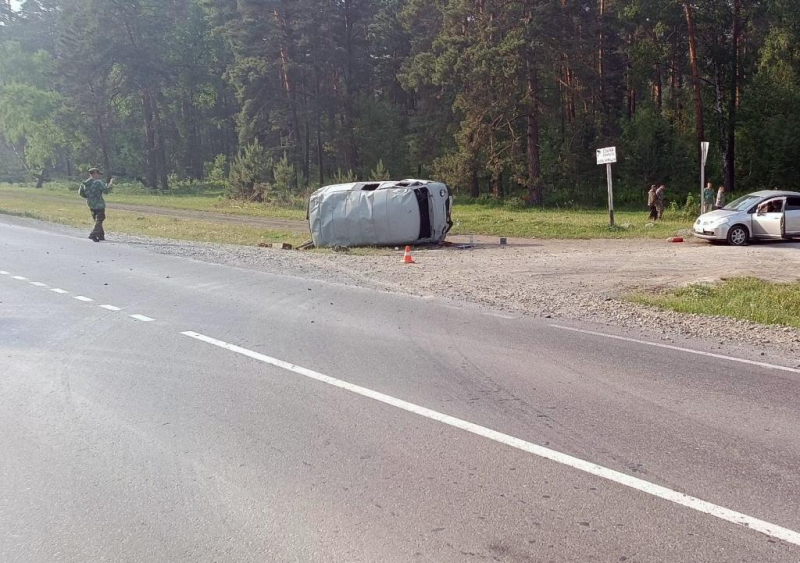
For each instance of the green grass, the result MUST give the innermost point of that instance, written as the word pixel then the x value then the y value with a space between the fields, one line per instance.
pixel 486 219
pixel 74 212
pixel 213 199
pixel 750 299
pixel 470 218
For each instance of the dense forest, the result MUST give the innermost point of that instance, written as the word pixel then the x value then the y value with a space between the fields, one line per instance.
pixel 499 98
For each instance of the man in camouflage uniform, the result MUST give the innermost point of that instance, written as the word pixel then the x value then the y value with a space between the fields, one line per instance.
pixel 93 189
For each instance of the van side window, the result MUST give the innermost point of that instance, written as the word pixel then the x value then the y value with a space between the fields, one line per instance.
pixel 793 204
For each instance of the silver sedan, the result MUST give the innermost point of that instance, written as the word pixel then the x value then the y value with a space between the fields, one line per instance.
pixel 767 214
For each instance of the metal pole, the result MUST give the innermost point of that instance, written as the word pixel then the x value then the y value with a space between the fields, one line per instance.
pixel 702 187
pixel 610 195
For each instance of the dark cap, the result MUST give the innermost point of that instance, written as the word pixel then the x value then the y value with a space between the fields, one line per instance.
pixel 93 170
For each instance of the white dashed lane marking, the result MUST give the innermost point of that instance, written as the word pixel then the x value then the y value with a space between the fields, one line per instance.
pixel 83 298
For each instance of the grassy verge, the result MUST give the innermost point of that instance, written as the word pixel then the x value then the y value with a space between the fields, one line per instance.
pixel 563 224
pixel 205 200
pixel 750 299
pixel 470 218
pixel 75 213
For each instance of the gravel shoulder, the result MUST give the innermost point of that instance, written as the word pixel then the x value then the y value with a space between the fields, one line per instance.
pixel 576 280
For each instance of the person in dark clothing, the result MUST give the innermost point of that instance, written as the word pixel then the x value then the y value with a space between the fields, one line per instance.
pixel 651 203
pixel 92 189
pixel 660 203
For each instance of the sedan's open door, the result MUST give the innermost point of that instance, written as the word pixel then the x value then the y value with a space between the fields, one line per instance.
pixel 768 219
pixel 792 217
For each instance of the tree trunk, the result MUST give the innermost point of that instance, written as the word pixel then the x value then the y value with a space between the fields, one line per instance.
pixel 497 185
pixel 730 152
pixel 160 148
pixel 288 81
pixel 601 40
pixel 320 152
pixel 101 130
pixel 698 99
pixel 474 185
pixel 349 110
pixel 150 140
pixel 532 135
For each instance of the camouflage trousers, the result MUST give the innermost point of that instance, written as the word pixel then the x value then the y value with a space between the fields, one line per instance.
pixel 99 215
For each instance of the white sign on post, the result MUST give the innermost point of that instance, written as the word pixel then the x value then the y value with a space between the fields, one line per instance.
pixel 607 155
pixel 704 146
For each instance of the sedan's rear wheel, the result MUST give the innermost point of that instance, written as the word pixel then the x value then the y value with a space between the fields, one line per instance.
pixel 738 236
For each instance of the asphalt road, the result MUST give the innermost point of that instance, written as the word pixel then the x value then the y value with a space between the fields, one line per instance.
pixel 244 416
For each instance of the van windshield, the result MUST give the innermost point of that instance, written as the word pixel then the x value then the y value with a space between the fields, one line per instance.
pixel 743 203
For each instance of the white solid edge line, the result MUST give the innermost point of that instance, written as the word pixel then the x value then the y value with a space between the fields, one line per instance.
pixel 680 349
pixel 767 528
pixel 110 308
pixel 142 318
pixel 58 290
pixel 84 299
pixel 20 278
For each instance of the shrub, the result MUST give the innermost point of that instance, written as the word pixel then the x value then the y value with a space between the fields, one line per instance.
pixel 515 203
pixel 250 173
pixel 284 175
pixel 217 169
pixel 379 173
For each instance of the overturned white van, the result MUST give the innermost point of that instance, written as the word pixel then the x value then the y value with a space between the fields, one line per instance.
pixel 380 213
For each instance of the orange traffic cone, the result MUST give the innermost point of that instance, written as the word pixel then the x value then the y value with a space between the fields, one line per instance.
pixel 407 259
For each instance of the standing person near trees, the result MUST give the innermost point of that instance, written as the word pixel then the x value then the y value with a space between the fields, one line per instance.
pixel 708 198
pixel 660 200
pixel 92 189
pixel 720 203
pixel 651 203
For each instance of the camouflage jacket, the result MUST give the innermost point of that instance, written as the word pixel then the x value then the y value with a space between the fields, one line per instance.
pixel 93 191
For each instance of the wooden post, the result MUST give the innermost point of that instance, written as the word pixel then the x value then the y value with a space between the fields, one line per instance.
pixel 610 195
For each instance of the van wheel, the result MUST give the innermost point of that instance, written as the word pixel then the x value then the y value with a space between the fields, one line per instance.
pixel 738 236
